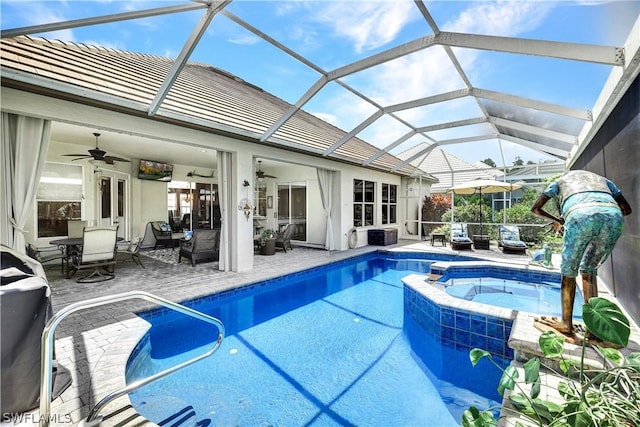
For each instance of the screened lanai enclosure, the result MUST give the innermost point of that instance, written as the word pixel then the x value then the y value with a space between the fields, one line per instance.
pixel 498 80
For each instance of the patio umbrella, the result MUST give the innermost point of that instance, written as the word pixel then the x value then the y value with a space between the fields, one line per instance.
pixel 480 186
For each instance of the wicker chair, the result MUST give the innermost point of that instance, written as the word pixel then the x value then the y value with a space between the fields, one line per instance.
pixel 283 238
pixel 204 245
pixel 163 234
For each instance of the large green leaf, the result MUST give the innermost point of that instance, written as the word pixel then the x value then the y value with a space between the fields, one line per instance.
pixel 508 379
pixel 521 403
pixel 476 354
pixel 551 344
pixel 578 415
pixel 606 321
pixel 612 354
pixel 532 370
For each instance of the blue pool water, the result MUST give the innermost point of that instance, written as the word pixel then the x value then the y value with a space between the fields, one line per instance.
pixel 541 298
pixel 329 347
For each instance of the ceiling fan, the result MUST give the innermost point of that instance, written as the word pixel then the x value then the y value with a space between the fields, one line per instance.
pixel 98 154
pixel 193 173
pixel 260 174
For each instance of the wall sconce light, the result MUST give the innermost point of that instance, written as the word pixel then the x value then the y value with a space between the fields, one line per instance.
pixel 245 206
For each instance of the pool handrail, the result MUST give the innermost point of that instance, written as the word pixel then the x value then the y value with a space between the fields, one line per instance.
pixel 47 343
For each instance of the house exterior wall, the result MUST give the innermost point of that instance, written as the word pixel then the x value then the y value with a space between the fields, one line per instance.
pixel 148 199
pixel 615 153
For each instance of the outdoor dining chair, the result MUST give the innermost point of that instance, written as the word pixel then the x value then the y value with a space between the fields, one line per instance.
pixel 98 253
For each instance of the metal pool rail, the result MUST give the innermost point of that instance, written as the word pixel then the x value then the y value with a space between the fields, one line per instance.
pixel 47 343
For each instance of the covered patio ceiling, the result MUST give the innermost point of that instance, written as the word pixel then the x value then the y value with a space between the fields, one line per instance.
pixel 456 97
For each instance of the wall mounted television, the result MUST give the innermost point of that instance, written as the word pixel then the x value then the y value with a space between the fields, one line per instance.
pixel 155 171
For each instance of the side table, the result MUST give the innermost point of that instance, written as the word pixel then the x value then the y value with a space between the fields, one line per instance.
pixel 438 237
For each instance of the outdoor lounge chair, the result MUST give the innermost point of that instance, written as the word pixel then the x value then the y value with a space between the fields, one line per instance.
pixel 283 238
pixel 510 241
pixel 163 234
pixel 98 253
pixel 204 245
pixel 459 237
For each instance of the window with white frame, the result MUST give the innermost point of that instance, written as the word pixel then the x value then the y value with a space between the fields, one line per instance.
pixel 59 198
pixel 363 202
pixel 389 203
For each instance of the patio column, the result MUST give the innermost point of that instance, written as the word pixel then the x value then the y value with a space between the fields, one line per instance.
pixel 242 235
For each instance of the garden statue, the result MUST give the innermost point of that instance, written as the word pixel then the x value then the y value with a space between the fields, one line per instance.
pixel 591 209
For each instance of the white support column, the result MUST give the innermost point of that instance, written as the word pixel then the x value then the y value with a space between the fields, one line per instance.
pixel 242 235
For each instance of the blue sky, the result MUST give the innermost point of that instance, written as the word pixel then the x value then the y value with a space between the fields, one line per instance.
pixel 332 34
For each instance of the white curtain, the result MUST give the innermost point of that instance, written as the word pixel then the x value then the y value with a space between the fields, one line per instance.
pixel 325 179
pixel 224 191
pixel 25 142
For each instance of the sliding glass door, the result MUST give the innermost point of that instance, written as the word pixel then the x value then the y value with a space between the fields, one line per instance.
pixel 292 208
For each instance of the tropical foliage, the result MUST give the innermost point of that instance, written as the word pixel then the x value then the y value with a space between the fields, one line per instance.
pixel 587 397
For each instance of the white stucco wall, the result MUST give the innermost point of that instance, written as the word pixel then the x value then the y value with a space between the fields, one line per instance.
pixel 149 201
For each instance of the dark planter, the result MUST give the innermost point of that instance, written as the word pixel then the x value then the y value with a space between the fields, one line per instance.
pixel 269 247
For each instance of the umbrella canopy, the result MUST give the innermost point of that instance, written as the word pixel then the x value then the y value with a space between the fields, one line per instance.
pixel 480 186
pixel 483 186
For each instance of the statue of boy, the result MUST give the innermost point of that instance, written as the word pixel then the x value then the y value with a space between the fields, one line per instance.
pixel 591 209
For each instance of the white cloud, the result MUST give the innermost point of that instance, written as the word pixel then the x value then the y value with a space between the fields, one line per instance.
pixel 503 18
pixel 368 25
pixel 246 39
pixel 329 118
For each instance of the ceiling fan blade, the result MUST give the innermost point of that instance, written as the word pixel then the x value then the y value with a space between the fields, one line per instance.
pixel 270 176
pixel 81 158
pixel 116 159
pixel 77 155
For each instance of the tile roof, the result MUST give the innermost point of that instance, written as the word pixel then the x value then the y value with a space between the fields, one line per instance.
pixel 201 96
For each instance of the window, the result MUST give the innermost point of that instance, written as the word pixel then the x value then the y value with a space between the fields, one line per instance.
pixel 389 203
pixel 59 198
pixel 192 205
pixel 363 202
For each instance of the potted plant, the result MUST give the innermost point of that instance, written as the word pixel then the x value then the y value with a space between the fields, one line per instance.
pixel 268 242
pixel 606 396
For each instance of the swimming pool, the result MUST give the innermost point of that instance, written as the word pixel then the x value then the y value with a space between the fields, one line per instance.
pixel 542 298
pixel 332 346
pixel 531 290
